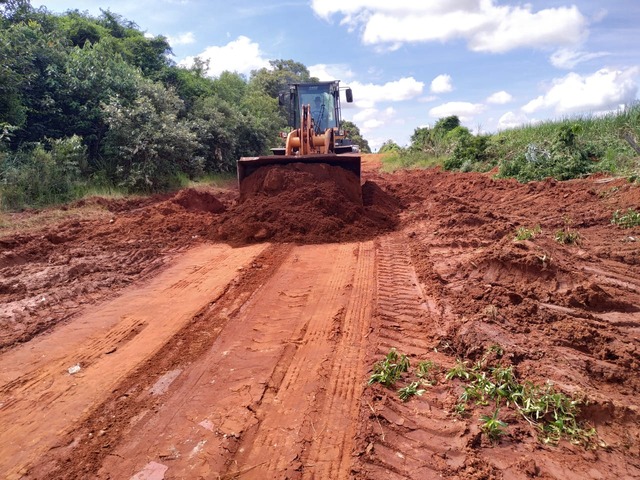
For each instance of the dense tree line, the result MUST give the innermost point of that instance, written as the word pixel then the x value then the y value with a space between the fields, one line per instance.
pixel 92 100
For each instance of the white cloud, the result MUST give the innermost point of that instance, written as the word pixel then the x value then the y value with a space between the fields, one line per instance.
pixel 568 58
pixel 603 90
pixel 240 55
pixel 500 98
pixel 369 119
pixel 441 84
pixel 182 39
pixel 427 99
pixel 367 95
pixel 334 71
pixel 484 24
pixel 464 110
pixel 512 120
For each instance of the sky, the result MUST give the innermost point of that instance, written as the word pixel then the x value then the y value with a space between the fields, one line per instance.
pixel 495 64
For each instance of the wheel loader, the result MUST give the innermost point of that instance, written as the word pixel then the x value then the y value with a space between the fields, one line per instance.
pixel 315 135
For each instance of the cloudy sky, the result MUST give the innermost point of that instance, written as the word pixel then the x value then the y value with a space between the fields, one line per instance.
pixel 494 63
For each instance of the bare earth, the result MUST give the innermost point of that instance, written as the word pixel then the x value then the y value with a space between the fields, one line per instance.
pixel 193 336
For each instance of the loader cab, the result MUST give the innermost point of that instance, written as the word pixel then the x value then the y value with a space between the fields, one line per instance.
pixel 324 99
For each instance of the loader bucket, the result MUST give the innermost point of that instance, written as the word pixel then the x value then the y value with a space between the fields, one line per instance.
pixel 248 165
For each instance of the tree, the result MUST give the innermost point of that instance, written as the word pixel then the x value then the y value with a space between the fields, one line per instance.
pixel 94 75
pixel 147 142
pixel 389 146
pixel 31 69
pixel 230 86
pixel 353 132
pixel 81 28
pixel 13 11
pixel 282 72
pixel 190 84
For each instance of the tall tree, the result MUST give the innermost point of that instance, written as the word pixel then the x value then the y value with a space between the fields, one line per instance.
pixel 282 72
pixel 353 132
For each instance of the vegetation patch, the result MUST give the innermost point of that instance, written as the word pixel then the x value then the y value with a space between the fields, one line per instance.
pixel 628 219
pixel 555 415
pixel 525 233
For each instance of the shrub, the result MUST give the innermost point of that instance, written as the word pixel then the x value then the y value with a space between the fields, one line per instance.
pixel 35 176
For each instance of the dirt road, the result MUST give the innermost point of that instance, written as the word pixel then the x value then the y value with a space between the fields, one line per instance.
pixel 160 352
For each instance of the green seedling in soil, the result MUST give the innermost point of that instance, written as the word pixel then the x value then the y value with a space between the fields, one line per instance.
pixel 626 220
pixel 492 426
pixel 460 409
pixel 553 413
pixel 458 371
pixel 567 237
pixel 426 372
pixel 524 233
pixel 409 391
pixel 495 348
pixel 388 370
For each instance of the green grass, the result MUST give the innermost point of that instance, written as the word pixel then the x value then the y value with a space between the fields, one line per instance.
pixel 553 413
pixel 567 148
pixel 405 159
pixel 524 233
pixel 492 426
pixel 567 237
pixel 427 372
pixel 628 219
pixel 218 180
pixel 409 391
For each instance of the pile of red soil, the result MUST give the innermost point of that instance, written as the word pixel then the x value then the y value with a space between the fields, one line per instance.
pixel 307 203
pixel 196 200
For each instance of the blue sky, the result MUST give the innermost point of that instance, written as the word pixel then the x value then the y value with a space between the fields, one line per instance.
pixel 495 64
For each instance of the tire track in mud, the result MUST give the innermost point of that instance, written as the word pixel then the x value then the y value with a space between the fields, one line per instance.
pixel 108 344
pixel 319 437
pixel 266 381
pixel 405 440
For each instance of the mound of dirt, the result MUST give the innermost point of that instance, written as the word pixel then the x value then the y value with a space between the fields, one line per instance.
pixel 196 200
pixel 307 203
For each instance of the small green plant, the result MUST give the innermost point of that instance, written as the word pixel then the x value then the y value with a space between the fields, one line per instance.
pixel 495 348
pixel 458 371
pixel 460 409
pixel 492 426
pixel 388 370
pixel 553 413
pixel 426 371
pixel 409 391
pixel 567 237
pixel 524 233
pixel 629 219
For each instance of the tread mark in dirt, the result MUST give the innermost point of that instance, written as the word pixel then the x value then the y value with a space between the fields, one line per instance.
pixel 264 381
pixel 326 373
pixel 41 384
pixel 417 439
pixel 335 430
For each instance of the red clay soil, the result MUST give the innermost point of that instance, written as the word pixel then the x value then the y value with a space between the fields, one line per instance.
pixel 47 276
pixel 281 350
pixel 307 203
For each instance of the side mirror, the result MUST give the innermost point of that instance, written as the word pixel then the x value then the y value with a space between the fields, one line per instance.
pixel 349 94
pixel 281 99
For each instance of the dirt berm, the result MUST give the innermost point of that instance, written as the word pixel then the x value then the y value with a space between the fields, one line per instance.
pixel 307 203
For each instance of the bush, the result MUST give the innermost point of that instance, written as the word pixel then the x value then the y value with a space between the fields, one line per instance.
pixel 563 158
pixel 36 176
pixel 147 142
pixel 468 151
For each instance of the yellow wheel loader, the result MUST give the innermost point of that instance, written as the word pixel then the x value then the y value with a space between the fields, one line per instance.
pixel 315 136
